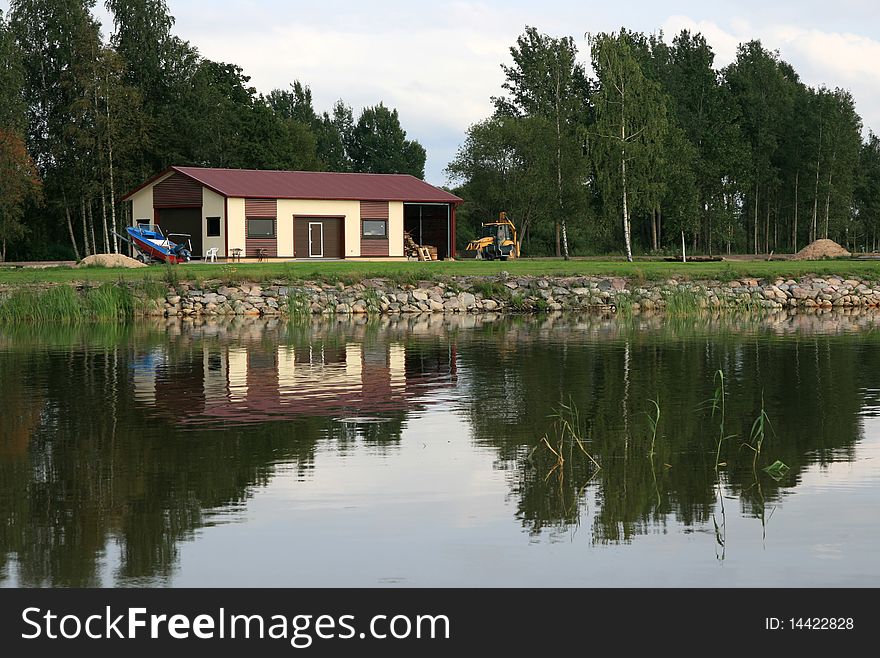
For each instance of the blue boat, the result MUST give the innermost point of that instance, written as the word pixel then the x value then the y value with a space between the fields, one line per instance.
pixel 152 245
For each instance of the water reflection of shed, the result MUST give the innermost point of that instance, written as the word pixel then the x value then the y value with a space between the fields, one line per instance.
pixel 253 382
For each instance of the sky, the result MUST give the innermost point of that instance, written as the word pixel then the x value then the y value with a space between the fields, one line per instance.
pixel 439 63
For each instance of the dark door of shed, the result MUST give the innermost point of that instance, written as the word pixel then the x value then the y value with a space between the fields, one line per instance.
pixel 183 220
pixel 318 237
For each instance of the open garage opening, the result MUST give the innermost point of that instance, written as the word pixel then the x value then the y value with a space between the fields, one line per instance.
pixel 429 225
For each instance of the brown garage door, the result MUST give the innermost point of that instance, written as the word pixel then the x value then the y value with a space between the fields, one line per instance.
pixel 183 220
pixel 318 237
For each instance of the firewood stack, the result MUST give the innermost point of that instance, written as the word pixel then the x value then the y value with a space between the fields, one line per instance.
pixel 414 250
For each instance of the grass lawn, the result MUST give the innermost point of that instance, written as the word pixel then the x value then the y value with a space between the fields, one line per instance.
pixel 351 270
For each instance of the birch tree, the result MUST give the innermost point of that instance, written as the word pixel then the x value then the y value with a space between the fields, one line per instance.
pixel 630 123
pixel 546 81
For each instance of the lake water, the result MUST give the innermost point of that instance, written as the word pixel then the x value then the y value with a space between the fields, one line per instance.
pixel 409 453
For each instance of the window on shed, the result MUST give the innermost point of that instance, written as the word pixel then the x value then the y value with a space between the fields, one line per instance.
pixel 213 226
pixel 376 229
pixel 260 228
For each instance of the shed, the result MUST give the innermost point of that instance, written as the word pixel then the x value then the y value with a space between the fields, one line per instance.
pixel 297 214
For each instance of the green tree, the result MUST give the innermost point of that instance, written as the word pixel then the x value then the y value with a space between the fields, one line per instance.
pixel 334 137
pixel 867 192
pixel 547 81
pixel 13 110
pixel 21 185
pixel 764 90
pixel 379 145
pixel 703 109
pixel 630 124
pixel 504 165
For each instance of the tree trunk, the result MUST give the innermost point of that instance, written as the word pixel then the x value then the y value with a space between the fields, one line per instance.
pixel 558 241
pixel 70 230
pixel 110 168
pixel 659 225
pixel 85 221
pixel 814 229
pixel 828 200
pixel 104 220
pixel 794 232
pixel 756 220
pixel 626 236
pixel 92 227
pixel 3 251
pixel 626 233
pixel 654 229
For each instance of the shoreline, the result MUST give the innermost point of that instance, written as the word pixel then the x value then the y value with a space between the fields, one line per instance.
pixel 503 293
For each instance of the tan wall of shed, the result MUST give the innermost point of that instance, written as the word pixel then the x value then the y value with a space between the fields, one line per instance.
pixel 213 206
pixel 235 210
pixel 351 210
pixel 142 206
pixel 395 229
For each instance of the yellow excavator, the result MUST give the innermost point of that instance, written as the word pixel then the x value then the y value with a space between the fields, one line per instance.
pixel 497 241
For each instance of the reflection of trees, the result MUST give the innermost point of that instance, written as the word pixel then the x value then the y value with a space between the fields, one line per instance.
pixel 812 388
pixel 84 464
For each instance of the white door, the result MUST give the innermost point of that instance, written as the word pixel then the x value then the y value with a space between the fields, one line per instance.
pixel 316 240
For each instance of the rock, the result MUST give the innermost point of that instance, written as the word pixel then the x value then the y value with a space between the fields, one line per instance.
pixel 490 304
pixel 402 297
pixel 581 292
pixel 467 299
pixel 420 295
pixel 435 306
pixel 173 299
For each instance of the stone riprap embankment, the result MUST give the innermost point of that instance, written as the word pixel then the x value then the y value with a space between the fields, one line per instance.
pixel 498 294
pixel 513 294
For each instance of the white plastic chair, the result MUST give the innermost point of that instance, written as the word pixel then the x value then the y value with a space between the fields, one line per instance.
pixel 211 254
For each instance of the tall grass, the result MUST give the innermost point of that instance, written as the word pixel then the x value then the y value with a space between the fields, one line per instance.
pixel 64 305
pixel 684 302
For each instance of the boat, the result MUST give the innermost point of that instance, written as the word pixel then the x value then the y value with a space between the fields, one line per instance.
pixel 152 245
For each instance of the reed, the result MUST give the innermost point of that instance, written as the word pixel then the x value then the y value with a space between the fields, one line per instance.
pixel 654 422
pixel 719 406
pixel 758 434
pixel 684 303
pixel 565 438
pixel 171 275
pixel 64 305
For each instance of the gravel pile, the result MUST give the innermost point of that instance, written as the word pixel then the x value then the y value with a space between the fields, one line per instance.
pixel 821 249
pixel 110 260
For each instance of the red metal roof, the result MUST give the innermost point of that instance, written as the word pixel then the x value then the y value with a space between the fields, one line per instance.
pixel 257 184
